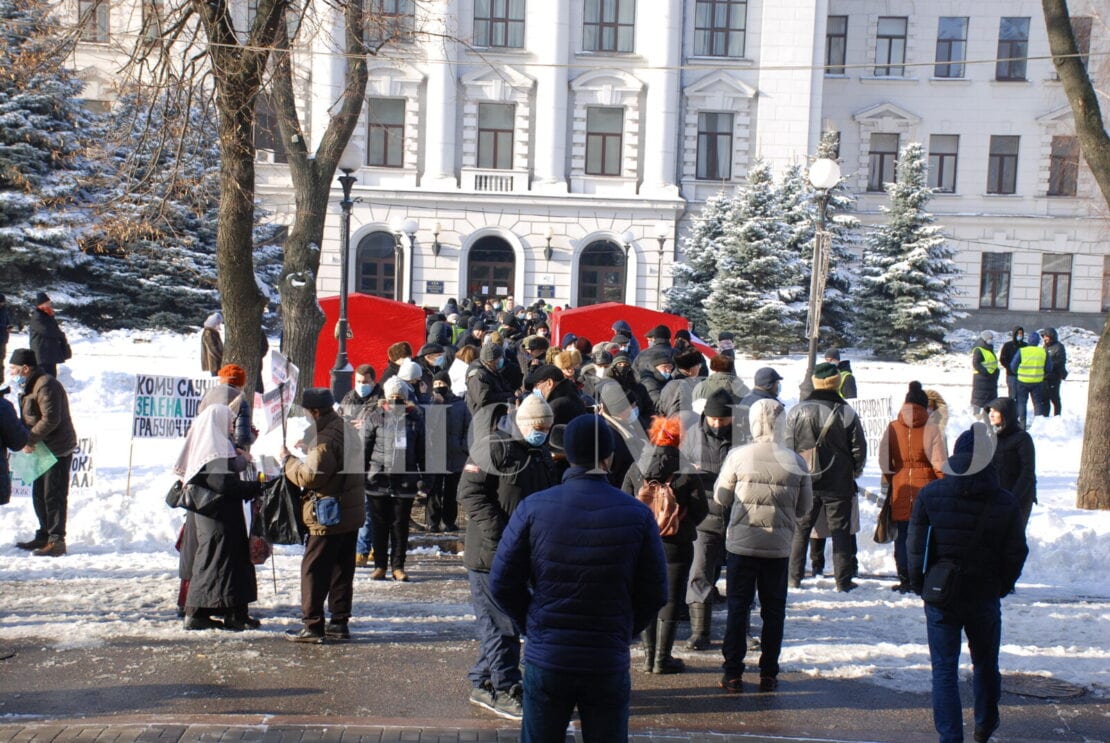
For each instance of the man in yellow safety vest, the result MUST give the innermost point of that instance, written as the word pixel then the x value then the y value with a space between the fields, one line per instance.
pixel 1030 365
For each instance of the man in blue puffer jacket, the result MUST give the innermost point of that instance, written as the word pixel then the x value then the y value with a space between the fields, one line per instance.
pixel 580 570
pixel 943 526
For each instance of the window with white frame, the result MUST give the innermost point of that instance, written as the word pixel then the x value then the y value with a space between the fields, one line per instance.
pixel 720 27
pixel 1002 164
pixel 951 47
pixel 943 154
pixel 604 139
pixel 94 18
pixel 883 155
pixel 495 135
pixel 385 133
pixel 608 25
pixel 499 23
pixel 890 46
pixel 714 146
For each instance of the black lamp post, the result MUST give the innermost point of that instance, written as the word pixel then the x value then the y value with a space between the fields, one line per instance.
pixel 627 238
pixel 662 229
pixel 342 373
pixel 824 174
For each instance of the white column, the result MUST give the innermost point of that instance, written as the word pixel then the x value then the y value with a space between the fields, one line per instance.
pixel 548 37
pixel 659 42
pixel 328 69
pixel 789 92
pixel 440 21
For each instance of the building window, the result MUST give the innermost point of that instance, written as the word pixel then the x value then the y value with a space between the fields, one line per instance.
pixel 152 19
pixel 714 147
pixel 499 23
pixel 495 135
pixel 1002 165
pixel 890 47
pixel 608 25
pixel 267 135
pixel 377 265
pixel 491 269
pixel 994 281
pixel 385 133
pixel 883 155
pixel 93 15
pixel 1013 48
pixel 719 27
pixel 1106 283
pixel 601 274
pixel 1063 167
pixel 836 44
pixel 951 47
pixel 943 153
pixel 604 128
pixel 1055 281
pixel 391 20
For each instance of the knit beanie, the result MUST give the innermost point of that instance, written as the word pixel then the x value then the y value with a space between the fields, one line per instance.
pixel 394 387
pixel 490 353
pixel 409 371
pixel 987 337
pixel 719 404
pixel 317 398
pixel 533 412
pixel 23 357
pixel 916 395
pixel 825 377
pixel 587 441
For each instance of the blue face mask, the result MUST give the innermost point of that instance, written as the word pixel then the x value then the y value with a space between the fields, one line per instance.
pixel 635 413
pixel 364 390
pixel 16 381
pixel 441 362
pixel 665 375
pixel 536 438
pixel 501 362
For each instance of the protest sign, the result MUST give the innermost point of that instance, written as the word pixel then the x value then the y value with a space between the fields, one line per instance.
pixel 875 413
pixel 82 473
pixel 165 406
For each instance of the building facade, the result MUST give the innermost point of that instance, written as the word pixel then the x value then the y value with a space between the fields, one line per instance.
pixel 560 149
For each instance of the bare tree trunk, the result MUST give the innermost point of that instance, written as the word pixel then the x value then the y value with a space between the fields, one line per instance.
pixel 302 319
pixel 1093 490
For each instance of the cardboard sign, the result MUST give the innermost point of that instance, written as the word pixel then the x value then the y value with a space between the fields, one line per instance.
pixel 875 413
pixel 166 406
pixel 82 472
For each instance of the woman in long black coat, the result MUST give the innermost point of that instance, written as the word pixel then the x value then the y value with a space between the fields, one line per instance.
pixel 218 564
pixel 47 339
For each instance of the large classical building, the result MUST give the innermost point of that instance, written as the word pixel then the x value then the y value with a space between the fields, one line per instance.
pixel 561 148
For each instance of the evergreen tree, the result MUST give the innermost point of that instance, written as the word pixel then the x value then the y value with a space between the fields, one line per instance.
pixel 42 128
pixel 701 250
pixel 754 291
pixel 906 286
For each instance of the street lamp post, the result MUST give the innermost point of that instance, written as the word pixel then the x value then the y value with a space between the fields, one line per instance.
pixel 824 174
pixel 342 373
pixel 627 238
pixel 662 229
pixel 404 272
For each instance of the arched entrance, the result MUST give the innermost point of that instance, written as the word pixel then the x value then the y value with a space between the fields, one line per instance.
pixel 602 268
pixel 491 269
pixel 376 265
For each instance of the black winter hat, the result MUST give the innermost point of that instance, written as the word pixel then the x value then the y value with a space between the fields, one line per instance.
pixel 490 353
pixel 429 348
pixel 916 395
pixel 23 357
pixel 317 398
pixel 719 404
pixel 41 298
pixel 660 332
pixel 587 441
pixel 544 373
pixel 536 343
pixel 441 377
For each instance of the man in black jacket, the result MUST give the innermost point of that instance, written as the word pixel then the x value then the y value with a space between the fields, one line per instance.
pixel 826 430
pixel 487 392
pixel 1015 457
pixel 1006 355
pixel 501 472
pixel 944 526
pixel 1056 372
pixel 560 392
pixel 47 339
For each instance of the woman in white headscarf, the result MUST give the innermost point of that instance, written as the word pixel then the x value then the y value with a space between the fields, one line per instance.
pixel 219 569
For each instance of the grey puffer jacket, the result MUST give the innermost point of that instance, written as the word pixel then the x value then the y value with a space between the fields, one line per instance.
pixel 765 488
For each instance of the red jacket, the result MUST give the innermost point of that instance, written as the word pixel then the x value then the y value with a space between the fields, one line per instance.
pixel 911 455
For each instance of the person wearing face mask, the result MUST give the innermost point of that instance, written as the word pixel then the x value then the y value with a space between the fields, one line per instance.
pixel 705 447
pixel 446 423
pixel 632 346
pixel 560 392
pixel 768 386
pixel 655 377
pixel 394 449
pixel 1006 354
pixel 530 355
pixel 621 372
pixel 1015 456
pixel 503 469
pixel 677 396
pixel 596 371
pixel 660 339
pixel 432 358
pixel 488 394
pixel 355 409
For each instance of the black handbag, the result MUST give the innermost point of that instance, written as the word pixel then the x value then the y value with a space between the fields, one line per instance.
pixel 280 512
pixel 195 498
pixel 884 526
pixel 941 584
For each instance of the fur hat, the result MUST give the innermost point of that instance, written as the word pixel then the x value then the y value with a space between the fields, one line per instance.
pixel 533 411
pixel 916 395
pixel 317 398
pixel 536 343
pixel 825 377
pixel 490 353
pixel 23 357
pixel 587 441
pixel 232 374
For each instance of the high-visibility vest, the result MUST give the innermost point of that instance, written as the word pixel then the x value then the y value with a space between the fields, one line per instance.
pixel 843 378
pixel 990 361
pixel 1031 364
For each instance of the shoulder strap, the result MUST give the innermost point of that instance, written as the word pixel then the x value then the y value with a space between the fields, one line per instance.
pixel 828 425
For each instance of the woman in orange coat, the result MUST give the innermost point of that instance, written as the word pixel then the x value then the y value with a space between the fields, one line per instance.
pixel 911 455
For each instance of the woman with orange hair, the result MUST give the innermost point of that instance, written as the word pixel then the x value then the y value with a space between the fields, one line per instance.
pixel 660 463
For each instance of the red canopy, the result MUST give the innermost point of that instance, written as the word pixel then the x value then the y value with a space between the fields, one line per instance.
pixel 376 324
pixel 596 322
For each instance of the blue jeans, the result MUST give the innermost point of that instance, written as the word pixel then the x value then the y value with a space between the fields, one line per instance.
pixel 498 643
pixel 551 696
pixel 745 576
pixel 981 618
pixel 1024 392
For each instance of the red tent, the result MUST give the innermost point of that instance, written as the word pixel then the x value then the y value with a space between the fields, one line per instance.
pixel 376 324
pixel 596 322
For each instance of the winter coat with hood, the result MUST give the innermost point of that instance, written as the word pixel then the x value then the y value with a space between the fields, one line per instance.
pixel 1010 348
pixel 663 465
pixel 843 452
pixel 330 470
pixel 1015 457
pixel 211 350
pixel 44 406
pixel 446 422
pixel 764 489
pixel 46 338
pixel 13 437
pixel 390 469
pixel 501 472
pixel 1057 356
pixel 944 519
pixel 620 327
pixel 911 455
pixel 485 387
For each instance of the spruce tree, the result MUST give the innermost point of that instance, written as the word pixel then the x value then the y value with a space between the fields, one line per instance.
pixel 701 250
pixel 906 286
pixel 754 291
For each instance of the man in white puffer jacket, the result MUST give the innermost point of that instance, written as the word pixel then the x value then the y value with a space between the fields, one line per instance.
pixel 765 488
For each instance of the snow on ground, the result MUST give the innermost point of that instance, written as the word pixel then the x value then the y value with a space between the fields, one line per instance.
pixel 119 578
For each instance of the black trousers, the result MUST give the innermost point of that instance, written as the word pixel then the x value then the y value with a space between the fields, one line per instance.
pixel 443 508
pixel 328 571
pixel 838 512
pixel 391 530
pixel 1052 396
pixel 50 497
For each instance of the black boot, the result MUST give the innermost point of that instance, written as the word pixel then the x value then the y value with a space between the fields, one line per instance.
pixel 664 644
pixel 701 616
pixel 647 637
